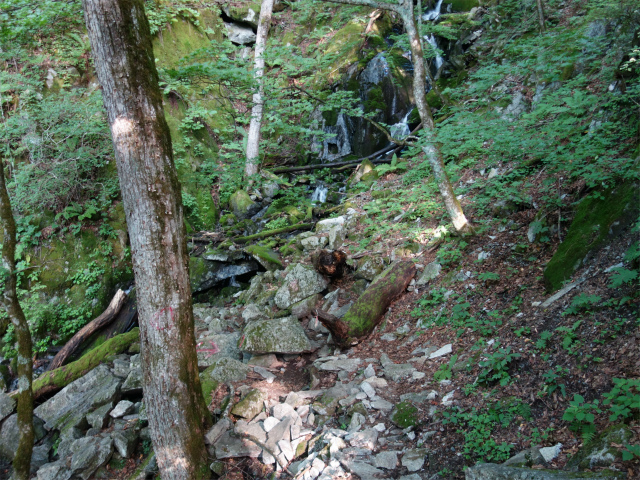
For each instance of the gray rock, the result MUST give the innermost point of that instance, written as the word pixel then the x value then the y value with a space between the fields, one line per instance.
pixel 9 434
pixel 526 458
pixel 250 405
pixel 280 335
pixel 264 373
pixel 369 371
pixel 282 410
pixel 364 470
pixel 357 420
pixel 414 459
pixel 603 450
pixel 303 308
pixel 492 471
pixel 267 360
pixel 40 456
pixel 550 453
pixel 205 274
pixel 421 397
pixel 231 446
pixel 133 383
pixel 301 282
pixel 338 364
pixel 70 405
pixel 431 272
pixel 124 407
pixel 415 476
pixel 387 460
pixel 337 234
pixel 89 454
pixel 382 404
pixel 99 417
pixel 253 312
pixel 364 439
pixel 398 371
pixel 214 434
pixel 54 471
pixel 252 429
pixel 7 406
pixel 368 389
pixel 221 345
pixel 441 352
pixel 369 267
pixel 67 438
pixel 342 311
pixel 125 441
pixel 239 34
pixel 225 370
pixel 313 243
pixel 269 423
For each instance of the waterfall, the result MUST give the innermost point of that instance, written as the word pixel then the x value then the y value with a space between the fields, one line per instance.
pixel 401 129
pixel 431 39
pixel 319 194
pixel 433 14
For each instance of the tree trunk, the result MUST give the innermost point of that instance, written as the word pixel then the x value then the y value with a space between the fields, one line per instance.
pixel 253 140
pixel 365 314
pixel 125 66
pixel 22 459
pixel 89 329
pixel 404 8
pixel 543 25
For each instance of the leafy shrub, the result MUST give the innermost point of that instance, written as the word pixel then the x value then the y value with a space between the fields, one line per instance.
pixel 495 367
pixel 624 399
pixel 581 416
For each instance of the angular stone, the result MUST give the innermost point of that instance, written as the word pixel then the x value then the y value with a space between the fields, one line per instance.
pixel 99 417
pixel 252 312
pixel 7 406
pixel 301 282
pixel 336 365
pixel 382 404
pixel 224 370
pixel 133 383
pixel 250 405
pixel 125 441
pixel 398 371
pixel 414 459
pixel 364 439
pixel 280 335
pixel 431 272
pixel 54 471
pixel 282 410
pixel 231 446
pixel 387 460
pixel 40 456
pixel 369 268
pixel 267 360
pixel 269 423
pixel 240 203
pixel 89 454
pixel 368 389
pixel 364 470
pixel 337 234
pixel 252 429
pixel 264 373
pixel 329 223
pixel 526 458
pixel 217 346
pixel 71 404
pixel 441 352
pixel 212 436
pixel 491 471
pixel 303 308
pixel 9 433
pixel 124 407
pixel 287 450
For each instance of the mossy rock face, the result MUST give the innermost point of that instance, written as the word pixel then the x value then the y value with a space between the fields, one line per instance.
pixel 598 217
pixel 241 204
pixel 601 452
pixel 250 406
pixel 405 415
pixel 461 5
pixel 434 100
pixel 370 177
pixel 265 257
pixel 280 335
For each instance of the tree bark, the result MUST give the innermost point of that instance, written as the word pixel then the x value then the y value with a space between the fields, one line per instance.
pixel 89 329
pixel 125 66
pixel 253 139
pixel 541 21
pixel 22 459
pixel 365 314
pixel 404 8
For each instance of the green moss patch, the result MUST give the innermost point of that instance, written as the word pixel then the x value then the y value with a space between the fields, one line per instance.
pixel 405 415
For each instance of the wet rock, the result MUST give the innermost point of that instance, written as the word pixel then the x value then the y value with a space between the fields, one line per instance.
pixel 280 335
pixel 414 459
pixel 70 406
pixel 250 405
pixel 301 282
pixel 89 454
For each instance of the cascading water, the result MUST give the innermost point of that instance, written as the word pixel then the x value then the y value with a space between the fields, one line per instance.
pixel 431 39
pixel 319 194
pixel 434 13
pixel 401 129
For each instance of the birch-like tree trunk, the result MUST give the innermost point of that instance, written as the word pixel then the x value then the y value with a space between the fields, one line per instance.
pixel 8 280
pixel 404 8
pixel 541 20
pixel 253 140
pixel 125 65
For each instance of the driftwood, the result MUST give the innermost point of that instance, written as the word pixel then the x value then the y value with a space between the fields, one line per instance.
pixel 54 380
pixel 89 329
pixel 366 313
pixel 331 264
pixel 269 233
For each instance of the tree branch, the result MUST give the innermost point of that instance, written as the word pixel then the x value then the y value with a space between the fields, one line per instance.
pixel 368 3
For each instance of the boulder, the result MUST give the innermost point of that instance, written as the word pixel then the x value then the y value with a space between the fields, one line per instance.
pixel 250 405
pixel 225 369
pixel 9 434
pixel 205 274
pixel 240 35
pixel 232 446
pixel 265 257
pixel 301 282
pixel 125 440
pixel 54 471
pixel 370 267
pixel 240 203
pixel 213 347
pixel 89 454
pixel 70 405
pixel 603 450
pixel 280 335
pixel 7 406
pixel 414 459
pixel 100 416
pixel 243 12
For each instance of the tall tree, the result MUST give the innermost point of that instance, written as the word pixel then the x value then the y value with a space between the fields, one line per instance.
pixel 253 140
pixel 125 65
pixel 404 9
pixel 8 279
pixel 541 21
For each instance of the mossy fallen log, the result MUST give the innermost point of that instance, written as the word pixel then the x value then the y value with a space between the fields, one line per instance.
pixel 366 313
pixel 270 233
pixel 59 378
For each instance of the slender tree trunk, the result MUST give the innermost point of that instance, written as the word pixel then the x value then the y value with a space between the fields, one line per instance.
pixel 253 140
pixel 543 25
pixel 125 65
pixel 404 8
pixel 22 459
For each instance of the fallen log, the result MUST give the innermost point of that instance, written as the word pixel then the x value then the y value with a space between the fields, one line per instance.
pixel 54 380
pixel 269 233
pixel 366 313
pixel 89 329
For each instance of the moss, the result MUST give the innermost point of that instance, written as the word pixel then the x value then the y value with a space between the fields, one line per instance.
pixel 434 100
pixel 405 415
pixel 370 177
pixel 461 5
pixel 265 256
pixel 375 100
pixel 240 203
pixel 209 385
pixel 594 219
pixel 250 405
pixel 330 117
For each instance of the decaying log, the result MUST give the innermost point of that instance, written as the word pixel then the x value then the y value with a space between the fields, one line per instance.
pixel 54 380
pixel 89 329
pixel 331 264
pixel 366 313
pixel 269 233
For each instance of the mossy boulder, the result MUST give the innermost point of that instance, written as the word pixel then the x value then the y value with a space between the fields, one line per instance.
pixel 241 204
pixel 404 415
pixel 223 370
pixel 265 257
pixel 250 406
pixel 280 335
pixel 461 5
pixel 243 12
pixel 598 217
pixel 603 450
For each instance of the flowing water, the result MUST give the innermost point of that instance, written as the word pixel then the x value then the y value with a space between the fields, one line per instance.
pixel 433 14
pixel 320 193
